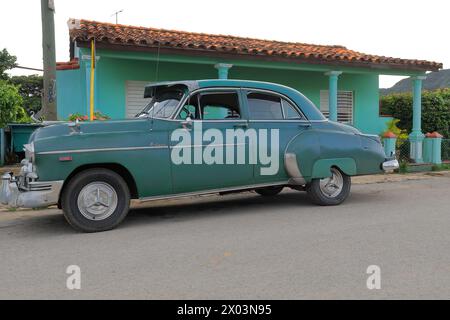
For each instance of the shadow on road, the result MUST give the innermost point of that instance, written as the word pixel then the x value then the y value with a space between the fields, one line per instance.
pixel 198 208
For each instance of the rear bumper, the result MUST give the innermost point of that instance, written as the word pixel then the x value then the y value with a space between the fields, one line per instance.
pixel 37 194
pixel 390 165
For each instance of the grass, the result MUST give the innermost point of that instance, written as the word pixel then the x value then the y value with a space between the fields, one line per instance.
pixel 441 167
pixel 403 168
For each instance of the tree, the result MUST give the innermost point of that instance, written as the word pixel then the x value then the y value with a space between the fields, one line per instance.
pixel 7 62
pixel 30 88
pixel 11 105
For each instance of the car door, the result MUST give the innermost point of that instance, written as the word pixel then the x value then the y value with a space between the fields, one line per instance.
pixel 205 120
pixel 277 120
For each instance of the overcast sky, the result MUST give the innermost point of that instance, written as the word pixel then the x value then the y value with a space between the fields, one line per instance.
pixel 400 28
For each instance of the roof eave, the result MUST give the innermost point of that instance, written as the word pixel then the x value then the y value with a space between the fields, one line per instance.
pixel 279 58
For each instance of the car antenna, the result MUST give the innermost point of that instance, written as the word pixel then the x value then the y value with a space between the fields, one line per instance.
pixel 156 76
pixel 157 61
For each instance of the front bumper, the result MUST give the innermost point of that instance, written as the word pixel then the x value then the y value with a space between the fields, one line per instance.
pixel 35 195
pixel 390 165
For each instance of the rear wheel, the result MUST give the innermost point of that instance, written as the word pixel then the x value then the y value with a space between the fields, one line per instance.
pixel 269 191
pixel 95 200
pixel 329 191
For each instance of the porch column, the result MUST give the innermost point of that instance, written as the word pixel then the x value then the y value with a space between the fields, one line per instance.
pixel 332 94
pixel 223 70
pixel 416 136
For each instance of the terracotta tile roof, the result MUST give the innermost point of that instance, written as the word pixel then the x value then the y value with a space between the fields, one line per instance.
pixel 124 35
pixel 70 65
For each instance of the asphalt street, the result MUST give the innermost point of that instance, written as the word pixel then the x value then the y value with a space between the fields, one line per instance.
pixel 242 247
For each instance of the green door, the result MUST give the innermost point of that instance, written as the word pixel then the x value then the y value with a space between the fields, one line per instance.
pixel 282 120
pixel 201 154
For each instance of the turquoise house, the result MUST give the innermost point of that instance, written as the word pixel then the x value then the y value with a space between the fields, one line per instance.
pixel 343 83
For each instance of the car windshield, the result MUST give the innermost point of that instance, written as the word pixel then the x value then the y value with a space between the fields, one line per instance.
pixel 163 104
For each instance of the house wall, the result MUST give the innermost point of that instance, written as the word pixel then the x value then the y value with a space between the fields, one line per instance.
pixel 70 95
pixel 112 73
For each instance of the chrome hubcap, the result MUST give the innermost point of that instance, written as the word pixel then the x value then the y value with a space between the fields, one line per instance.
pixel 331 187
pixel 97 201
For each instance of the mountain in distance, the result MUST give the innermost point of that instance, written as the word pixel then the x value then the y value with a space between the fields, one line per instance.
pixel 435 80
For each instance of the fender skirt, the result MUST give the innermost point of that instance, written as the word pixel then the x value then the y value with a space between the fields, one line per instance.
pixel 321 168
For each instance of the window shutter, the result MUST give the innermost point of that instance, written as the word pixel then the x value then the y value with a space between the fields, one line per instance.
pixel 344 105
pixel 135 100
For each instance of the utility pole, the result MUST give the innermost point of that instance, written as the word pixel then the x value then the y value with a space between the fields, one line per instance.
pixel 49 57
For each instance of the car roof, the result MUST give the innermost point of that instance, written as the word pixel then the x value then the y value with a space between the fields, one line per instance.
pixel 195 84
pixel 239 83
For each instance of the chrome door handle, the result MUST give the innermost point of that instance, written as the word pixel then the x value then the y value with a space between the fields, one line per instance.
pixel 305 125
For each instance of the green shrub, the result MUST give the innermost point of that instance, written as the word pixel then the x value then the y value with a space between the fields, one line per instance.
pixel 402 135
pixel 435 110
pixel 403 168
pixel 441 167
pixel 11 105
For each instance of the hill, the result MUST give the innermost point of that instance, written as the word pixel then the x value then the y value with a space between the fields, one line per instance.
pixel 434 80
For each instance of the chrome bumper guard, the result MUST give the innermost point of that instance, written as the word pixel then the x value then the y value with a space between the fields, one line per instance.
pixel 36 195
pixel 390 165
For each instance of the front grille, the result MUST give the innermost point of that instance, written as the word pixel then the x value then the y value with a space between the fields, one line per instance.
pixel 39 186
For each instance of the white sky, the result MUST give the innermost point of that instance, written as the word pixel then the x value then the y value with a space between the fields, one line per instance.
pixel 399 28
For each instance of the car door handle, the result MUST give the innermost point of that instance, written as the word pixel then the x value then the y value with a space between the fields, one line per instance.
pixel 304 125
pixel 241 125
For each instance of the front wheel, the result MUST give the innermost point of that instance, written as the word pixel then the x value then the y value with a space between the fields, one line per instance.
pixel 95 200
pixel 330 191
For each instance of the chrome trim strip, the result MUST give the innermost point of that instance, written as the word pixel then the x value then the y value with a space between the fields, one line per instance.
pixel 282 121
pixel 291 166
pixel 216 121
pixel 207 145
pixel 212 191
pixel 102 150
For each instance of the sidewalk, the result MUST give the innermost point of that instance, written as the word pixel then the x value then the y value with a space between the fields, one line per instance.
pixel 396 177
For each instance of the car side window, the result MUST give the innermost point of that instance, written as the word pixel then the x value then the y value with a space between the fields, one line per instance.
pixel 290 112
pixel 262 106
pixel 190 109
pixel 219 105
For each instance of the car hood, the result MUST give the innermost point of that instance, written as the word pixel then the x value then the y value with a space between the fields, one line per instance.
pixel 69 128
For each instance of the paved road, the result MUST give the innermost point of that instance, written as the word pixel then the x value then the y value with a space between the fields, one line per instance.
pixel 242 246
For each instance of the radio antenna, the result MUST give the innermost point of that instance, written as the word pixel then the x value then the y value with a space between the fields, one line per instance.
pixel 157 61
pixel 117 15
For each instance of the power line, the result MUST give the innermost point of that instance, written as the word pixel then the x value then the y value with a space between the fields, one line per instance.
pixel 28 68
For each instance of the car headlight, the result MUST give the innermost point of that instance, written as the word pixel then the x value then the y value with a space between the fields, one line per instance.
pixel 29 151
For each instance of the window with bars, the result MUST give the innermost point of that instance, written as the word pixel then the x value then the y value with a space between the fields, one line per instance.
pixel 344 105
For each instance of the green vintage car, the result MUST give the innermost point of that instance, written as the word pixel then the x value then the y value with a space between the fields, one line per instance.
pixel 193 137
